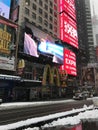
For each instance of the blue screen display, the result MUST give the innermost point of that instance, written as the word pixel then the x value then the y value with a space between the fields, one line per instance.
pixel 5 8
pixel 53 49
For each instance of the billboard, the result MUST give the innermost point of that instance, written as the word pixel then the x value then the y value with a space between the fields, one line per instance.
pixel 7 45
pixel 69 62
pixel 38 43
pixel 68 30
pixel 68 6
pixel 5 8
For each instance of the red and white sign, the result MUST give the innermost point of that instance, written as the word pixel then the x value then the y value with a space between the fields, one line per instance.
pixel 68 6
pixel 69 62
pixel 68 30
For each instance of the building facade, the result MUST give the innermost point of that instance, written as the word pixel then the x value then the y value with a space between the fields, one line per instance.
pixel 85 33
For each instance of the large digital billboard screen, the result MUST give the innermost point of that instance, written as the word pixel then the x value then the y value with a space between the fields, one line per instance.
pixel 68 30
pixel 5 8
pixel 38 43
pixel 68 6
pixel 7 45
pixel 69 62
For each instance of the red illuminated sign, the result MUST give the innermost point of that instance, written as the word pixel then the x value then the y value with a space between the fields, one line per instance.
pixel 68 6
pixel 69 62
pixel 68 30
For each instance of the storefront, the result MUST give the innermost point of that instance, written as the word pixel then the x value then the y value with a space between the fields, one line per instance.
pixel 7 84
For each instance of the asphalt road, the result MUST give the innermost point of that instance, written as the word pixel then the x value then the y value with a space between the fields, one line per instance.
pixel 18 114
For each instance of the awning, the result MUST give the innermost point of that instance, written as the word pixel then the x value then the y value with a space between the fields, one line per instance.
pixel 10 77
pixel 30 83
pixel 28 80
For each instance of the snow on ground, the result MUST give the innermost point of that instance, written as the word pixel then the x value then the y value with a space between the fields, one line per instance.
pixel 22 104
pixel 68 120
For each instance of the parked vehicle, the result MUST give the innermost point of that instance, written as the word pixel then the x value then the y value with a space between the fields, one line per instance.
pixel 81 94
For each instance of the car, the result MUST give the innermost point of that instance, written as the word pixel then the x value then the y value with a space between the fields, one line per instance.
pixel 81 95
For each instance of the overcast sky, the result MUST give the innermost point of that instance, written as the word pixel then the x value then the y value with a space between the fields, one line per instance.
pixel 95 6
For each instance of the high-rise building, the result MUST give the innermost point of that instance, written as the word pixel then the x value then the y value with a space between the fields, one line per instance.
pixel 86 52
pixel 43 14
pixel 85 33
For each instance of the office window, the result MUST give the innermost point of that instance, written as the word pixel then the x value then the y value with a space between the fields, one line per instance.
pixel 45 7
pixel 51 18
pixel 45 15
pixel 45 23
pixel 26 11
pixel 34 6
pixel 51 4
pixel 55 29
pixel 40 19
pixel 55 14
pixel 33 15
pixel 55 22
pixel 50 26
pixel 40 11
pixel 40 3
pixel 55 7
pixel 51 11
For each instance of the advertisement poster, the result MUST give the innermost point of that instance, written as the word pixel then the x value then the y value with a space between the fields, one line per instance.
pixel 7 45
pixel 5 8
pixel 68 6
pixel 68 30
pixel 38 43
pixel 69 62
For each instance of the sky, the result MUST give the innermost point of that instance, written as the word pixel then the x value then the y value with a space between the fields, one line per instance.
pixel 95 2
pixel 87 114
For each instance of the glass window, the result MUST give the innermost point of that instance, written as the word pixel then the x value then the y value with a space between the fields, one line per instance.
pixel 55 22
pixel 45 7
pixel 40 19
pixel 40 3
pixel 55 14
pixel 45 23
pixel 51 4
pixel 45 15
pixel 27 11
pixel 34 6
pixel 40 11
pixel 51 18
pixel 33 15
pixel 50 26
pixel 51 11
pixel 55 7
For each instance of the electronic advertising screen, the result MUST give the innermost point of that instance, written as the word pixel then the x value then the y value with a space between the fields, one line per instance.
pixel 68 30
pixel 69 62
pixel 7 45
pixel 68 6
pixel 38 44
pixel 5 8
